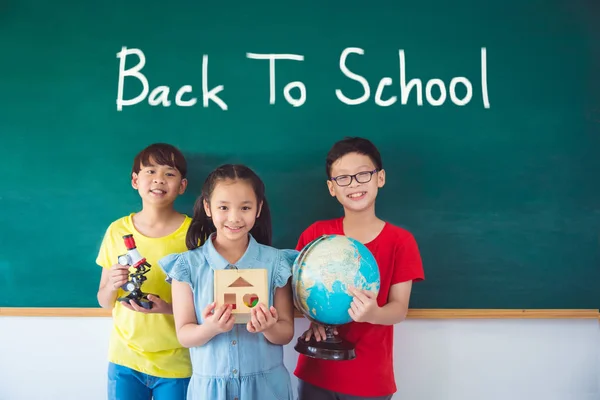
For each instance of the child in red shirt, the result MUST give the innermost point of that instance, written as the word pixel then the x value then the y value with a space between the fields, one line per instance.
pixel 355 174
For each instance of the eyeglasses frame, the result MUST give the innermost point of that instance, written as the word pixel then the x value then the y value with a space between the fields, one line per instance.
pixel 353 177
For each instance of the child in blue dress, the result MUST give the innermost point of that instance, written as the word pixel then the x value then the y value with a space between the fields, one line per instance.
pixel 231 228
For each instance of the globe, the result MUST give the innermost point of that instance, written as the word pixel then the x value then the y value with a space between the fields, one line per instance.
pixel 322 274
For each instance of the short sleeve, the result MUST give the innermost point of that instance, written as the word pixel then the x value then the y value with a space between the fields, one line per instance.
pixel 284 267
pixel 176 267
pixel 408 265
pixel 104 258
pixel 305 238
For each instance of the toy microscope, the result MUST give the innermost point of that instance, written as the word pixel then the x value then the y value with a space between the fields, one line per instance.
pixel 141 267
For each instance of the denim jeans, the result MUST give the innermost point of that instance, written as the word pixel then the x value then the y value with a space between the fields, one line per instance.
pixel 127 384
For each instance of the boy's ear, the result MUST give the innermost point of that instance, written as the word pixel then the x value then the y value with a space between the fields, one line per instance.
pixel 134 180
pixel 381 178
pixel 183 186
pixel 259 209
pixel 330 187
pixel 206 208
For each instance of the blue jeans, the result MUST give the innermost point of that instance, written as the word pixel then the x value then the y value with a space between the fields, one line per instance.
pixel 127 384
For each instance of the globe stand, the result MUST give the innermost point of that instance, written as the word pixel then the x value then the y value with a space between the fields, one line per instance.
pixel 332 348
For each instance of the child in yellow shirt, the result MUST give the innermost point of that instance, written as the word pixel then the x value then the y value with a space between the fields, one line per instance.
pixel 145 358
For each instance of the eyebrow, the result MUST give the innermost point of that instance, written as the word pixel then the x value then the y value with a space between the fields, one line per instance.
pixel 228 202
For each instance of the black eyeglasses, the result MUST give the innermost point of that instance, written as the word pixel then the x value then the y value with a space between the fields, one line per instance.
pixel 361 177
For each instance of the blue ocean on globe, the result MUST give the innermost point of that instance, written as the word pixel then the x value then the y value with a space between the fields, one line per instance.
pixel 324 270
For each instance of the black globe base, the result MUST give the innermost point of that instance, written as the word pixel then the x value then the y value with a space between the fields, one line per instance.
pixel 332 348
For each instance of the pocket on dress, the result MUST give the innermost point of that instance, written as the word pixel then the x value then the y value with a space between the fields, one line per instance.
pixel 276 384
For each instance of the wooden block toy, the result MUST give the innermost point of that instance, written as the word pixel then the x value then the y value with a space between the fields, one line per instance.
pixel 242 288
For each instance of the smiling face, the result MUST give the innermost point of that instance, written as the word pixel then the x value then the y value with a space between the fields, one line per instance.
pixel 356 196
pixel 233 209
pixel 158 185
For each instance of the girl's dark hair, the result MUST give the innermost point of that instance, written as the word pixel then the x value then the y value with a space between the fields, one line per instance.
pixel 202 226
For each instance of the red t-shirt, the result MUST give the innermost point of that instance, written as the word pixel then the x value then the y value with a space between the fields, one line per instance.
pixel 371 373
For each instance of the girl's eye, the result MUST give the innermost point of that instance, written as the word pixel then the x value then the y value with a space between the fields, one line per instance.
pixel 150 171
pixel 223 208
pixel 246 208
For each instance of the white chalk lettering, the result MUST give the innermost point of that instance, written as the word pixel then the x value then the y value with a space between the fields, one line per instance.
pixel 484 89
pixel 439 83
pixel 353 76
pixel 286 90
pixel 434 91
pixel 417 84
pixel 211 94
pixel 134 72
pixel 468 86
pixel 382 84
pixel 406 88
pixel 184 103
pixel 159 95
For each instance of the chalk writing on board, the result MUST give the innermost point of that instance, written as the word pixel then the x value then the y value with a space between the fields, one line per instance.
pixel 184 97
pixel 286 90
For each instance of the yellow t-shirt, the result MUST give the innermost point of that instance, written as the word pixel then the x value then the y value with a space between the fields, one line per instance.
pixel 146 342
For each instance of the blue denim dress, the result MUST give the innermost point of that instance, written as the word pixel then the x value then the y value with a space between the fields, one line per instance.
pixel 236 364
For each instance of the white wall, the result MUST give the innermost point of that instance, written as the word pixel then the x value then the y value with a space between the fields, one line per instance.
pixel 64 359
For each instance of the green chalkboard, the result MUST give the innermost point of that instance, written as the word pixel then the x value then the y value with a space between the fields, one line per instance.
pixel 491 157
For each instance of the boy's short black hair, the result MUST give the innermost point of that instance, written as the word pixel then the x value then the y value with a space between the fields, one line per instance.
pixel 162 154
pixel 352 145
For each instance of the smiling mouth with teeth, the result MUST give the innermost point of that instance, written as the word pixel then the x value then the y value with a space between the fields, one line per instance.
pixel 158 191
pixel 358 194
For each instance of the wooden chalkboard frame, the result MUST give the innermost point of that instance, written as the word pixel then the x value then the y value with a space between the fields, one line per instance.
pixel 419 313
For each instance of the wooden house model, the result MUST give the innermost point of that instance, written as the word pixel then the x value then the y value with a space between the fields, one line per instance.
pixel 243 288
